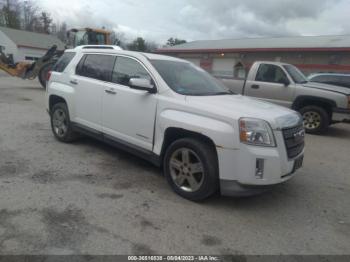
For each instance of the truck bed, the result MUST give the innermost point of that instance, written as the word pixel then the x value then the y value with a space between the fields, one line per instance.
pixel 235 85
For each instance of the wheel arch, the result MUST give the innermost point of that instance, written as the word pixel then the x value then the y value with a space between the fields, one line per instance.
pixel 172 134
pixel 55 99
pixel 303 101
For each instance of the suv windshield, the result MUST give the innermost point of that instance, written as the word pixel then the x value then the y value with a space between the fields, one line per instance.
pixel 296 74
pixel 187 79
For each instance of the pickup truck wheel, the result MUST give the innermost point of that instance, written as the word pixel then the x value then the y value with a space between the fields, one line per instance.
pixel 191 169
pixel 316 119
pixel 61 125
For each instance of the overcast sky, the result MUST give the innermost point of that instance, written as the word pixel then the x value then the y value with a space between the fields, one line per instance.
pixel 205 19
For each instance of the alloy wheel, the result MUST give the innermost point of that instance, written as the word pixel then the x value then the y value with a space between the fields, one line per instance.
pixel 186 170
pixel 60 123
pixel 312 120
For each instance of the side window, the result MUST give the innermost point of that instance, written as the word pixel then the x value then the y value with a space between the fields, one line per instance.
pixel 335 80
pixel 96 66
pixel 63 62
pixel 322 79
pixel 345 81
pixel 127 68
pixel 271 73
pixel 340 81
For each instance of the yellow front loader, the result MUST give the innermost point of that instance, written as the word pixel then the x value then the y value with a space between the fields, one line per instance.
pixel 40 68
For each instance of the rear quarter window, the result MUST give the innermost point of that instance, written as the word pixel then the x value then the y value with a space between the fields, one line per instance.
pixel 96 66
pixel 63 62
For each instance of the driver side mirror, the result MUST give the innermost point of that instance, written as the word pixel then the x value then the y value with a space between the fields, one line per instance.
pixel 285 82
pixel 142 84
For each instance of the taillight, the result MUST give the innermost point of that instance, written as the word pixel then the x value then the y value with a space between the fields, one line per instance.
pixel 48 76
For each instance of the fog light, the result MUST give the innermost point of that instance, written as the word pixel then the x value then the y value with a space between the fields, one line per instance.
pixel 259 170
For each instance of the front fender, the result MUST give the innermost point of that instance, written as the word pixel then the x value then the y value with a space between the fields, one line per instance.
pixel 220 132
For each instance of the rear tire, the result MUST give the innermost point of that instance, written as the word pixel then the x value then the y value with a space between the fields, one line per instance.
pixel 316 119
pixel 61 125
pixel 191 169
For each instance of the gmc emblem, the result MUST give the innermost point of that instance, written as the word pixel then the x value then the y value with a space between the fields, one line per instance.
pixel 299 134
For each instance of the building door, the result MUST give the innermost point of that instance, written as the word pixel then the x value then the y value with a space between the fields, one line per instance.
pixel 223 67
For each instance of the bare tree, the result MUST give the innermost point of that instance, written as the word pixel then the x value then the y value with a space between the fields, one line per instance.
pixel 152 46
pixel 118 38
pixel 30 15
pixel 62 32
pixel 10 15
pixel 45 20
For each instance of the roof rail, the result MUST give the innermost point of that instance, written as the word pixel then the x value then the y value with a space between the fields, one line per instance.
pixel 111 47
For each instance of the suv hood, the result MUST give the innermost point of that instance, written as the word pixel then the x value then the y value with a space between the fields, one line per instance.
pixel 238 106
pixel 337 89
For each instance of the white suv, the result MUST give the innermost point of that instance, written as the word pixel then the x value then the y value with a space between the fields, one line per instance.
pixel 177 116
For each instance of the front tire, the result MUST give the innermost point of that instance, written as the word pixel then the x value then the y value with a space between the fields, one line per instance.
pixel 191 169
pixel 61 125
pixel 316 119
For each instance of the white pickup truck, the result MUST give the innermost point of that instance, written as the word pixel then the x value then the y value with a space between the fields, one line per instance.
pixel 320 105
pixel 177 116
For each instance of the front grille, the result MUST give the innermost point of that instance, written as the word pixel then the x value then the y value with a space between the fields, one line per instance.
pixel 294 139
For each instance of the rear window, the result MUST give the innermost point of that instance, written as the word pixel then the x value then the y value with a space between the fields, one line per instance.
pixel 95 66
pixel 62 63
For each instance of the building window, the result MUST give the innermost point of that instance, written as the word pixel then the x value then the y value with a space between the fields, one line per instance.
pixel 31 58
pixel 334 60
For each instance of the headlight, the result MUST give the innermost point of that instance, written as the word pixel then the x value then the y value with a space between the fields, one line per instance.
pixel 256 132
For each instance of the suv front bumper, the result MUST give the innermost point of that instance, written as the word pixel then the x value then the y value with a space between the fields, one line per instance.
pixel 238 168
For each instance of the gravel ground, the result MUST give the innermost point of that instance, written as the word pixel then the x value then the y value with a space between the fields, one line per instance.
pixel 88 198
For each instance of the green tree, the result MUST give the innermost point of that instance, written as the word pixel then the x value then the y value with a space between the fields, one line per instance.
pixel 139 44
pixel 175 41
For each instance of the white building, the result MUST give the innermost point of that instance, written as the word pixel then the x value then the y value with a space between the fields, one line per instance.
pixel 26 46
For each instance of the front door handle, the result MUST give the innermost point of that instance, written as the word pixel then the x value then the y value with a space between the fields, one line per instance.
pixel 74 82
pixel 255 86
pixel 110 92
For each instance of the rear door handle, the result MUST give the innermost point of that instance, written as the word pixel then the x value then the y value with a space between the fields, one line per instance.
pixel 255 86
pixel 110 91
pixel 74 82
